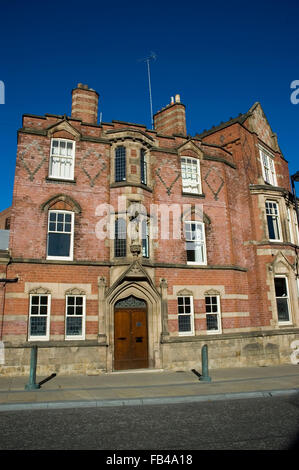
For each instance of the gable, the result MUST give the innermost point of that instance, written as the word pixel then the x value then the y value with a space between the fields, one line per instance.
pixel 259 124
pixel 63 129
pixel 190 149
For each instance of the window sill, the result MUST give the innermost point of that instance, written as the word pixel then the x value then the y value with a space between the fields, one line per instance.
pixel 199 195
pixel 74 338
pixel 50 179
pixel 121 184
pixel 38 338
pixel 59 258
pixel 191 263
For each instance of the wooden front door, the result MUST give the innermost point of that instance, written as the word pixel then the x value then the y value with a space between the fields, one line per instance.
pixel 130 339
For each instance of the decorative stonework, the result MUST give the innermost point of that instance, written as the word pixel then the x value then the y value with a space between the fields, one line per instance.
pixel 281 264
pixel 25 162
pixel 212 292
pixel 102 282
pixel 248 160
pixel 40 291
pixel 130 302
pixel 135 269
pixel 214 182
pixel 61 197
pixel 168 188
pixel 64 126
pixel 186 292
pixel 84 166
pixel 75 291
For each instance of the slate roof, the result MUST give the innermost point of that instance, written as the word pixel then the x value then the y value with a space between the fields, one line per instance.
pixel 239 119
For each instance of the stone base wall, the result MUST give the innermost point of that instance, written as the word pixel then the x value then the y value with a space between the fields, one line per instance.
pixel 267 349
pixel 260 349
pixel 73 360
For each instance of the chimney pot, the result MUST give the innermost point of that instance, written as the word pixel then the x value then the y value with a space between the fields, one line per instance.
pixel 171 119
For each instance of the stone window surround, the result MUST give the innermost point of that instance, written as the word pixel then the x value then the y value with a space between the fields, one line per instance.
pixel 283 217
pixel 281 267
pixel 53 294
pixel 40 291
pixel 129 255
pixel 61 178
pixel 269 154
pixel 198 172
pixel 75 292
pixel 131 178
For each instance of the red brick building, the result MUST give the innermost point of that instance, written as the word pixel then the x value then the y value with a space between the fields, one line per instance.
pixel 226 275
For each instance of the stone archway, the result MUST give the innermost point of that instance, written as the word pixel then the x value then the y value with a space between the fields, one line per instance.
pixel 130 334
pixel 143 291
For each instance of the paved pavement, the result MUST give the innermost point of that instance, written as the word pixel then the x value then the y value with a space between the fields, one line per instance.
pixel 148 387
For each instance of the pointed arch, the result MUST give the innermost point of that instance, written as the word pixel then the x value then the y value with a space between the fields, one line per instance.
pixel 135 282
pixel 61 198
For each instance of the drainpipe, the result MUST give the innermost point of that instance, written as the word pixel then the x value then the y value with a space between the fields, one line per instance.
pixel 294 178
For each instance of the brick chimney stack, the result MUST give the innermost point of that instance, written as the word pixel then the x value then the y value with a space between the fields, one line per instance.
pixel 171 119
pixel 85 104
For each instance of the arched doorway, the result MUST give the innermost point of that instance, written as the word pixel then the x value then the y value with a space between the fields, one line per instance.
pixel 130 334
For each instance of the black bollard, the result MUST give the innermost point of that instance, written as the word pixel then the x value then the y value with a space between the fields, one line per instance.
pixel 32 385
pixel 205 364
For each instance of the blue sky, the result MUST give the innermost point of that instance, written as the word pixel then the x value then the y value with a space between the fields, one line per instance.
pixel 221 57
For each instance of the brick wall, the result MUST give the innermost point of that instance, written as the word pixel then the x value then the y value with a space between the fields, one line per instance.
pixel 231 176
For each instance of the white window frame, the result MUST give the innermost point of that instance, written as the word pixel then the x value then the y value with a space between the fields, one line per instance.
pixel 47 335
pixel 191 315
pixel 143 167
pixel 71 158
pixel 289 322
pixel 201 242
pixel 56 257
pixel 277 216
pixel 191 185
pixel 290 224
pixel 83 316
pixel 217 314
pixel 268 166
pixel 145 238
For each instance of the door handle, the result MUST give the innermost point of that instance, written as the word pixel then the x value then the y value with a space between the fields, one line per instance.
pixel 122 338
pixel 139 339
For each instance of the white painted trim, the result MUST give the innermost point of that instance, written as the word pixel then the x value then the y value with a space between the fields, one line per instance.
pixel 289 322
pixel 280 239
pixel 191 332
pixel 198 176
pixel 268 155
pixel 196 263
pixel 76 337
pixel 47 335
pixel 73 158
pixel 63 258
pixel 218 313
